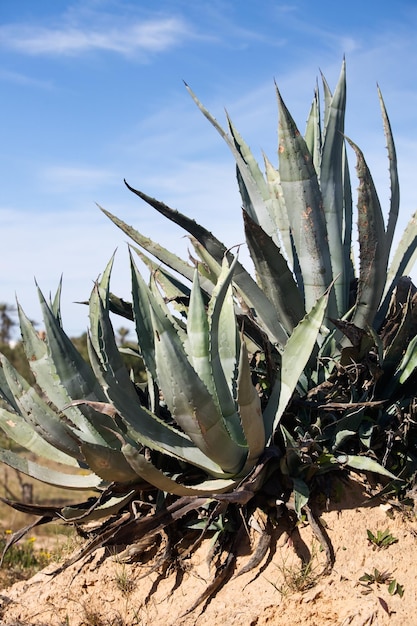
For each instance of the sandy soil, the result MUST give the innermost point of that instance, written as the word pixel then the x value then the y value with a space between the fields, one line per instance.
pixel 108 592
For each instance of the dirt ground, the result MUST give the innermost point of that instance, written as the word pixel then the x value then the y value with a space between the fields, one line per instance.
pixel 281 591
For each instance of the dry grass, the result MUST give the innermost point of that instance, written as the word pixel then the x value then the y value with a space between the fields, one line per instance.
pixel 298 576
pixel 44 543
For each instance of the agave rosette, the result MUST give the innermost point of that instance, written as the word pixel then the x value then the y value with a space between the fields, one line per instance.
pixel 201 432
pixel 90 416
pixel 299 223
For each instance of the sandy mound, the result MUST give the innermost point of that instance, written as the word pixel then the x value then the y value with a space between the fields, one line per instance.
pixel 105 591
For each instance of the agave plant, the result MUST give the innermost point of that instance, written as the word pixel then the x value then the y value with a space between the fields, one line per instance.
pixel 255 386
pixel 299 226
pixel 299 223
pixel 213 445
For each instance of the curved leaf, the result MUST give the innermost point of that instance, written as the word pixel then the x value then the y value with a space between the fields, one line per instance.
pixel 142 318
pixel 293 361
pixel 109 464
pixel 305 209
pixel 223 349
pixel 364 464
pixel 373 250
pixel 394 183
pixel 90 512
pixel 281 215
pixel 48 475
pixel 252 184
pixel 38 413
pixel 248 289
pixel 263 213
pixel 149 472
pixel 250 409
pixel 408 363
pixel 189 400
pixel 332 188
pixel 274 276
pixel 165 256
pixel 25 435
pixel 198 336
pixel 403 259
pixel 63 374
pixel 143 426
pixel 313 134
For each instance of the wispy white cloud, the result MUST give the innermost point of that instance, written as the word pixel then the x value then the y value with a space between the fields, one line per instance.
pixel 172 152
pixel 64 177
pixel 115 35
pixel 23 79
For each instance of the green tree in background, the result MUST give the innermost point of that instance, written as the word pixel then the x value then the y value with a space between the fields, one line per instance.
pixel 7 322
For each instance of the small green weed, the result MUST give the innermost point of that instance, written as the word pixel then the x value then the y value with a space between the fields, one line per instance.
pixel 124 580
pixel 300 577
pixel 376 577
pixel 65 545
pixel 382 539
pixel 395 588
pixel 382 578
pixel 22 560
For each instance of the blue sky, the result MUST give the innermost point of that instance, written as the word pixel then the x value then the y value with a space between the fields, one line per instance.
pixel 92 92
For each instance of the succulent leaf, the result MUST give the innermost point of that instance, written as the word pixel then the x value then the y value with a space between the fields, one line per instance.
pixel 332 188
pixel 251 182
pixel 373 250
pixel 364 464
pixel 149 472
pixel 55 304
pixel 198 336
pixel 63 374
pixel 38 413
pixel 48 475
pixel 274 276
pixel 223 348
pixel 250 409
pixel 305 209
pixel 395 187
pixel 142 318
pixel 176 292
pixel 301 495
pixel 403 260
pixel 281 216
pixel 165 256
pixel 7 399
pixel 92 511
pixel 189 400
pixel 143 426
pixel 313 134
pixel 262 213
pixel 248 288
pixel 25 435
pixel 108 463
pixel 408 363
pixel 294 359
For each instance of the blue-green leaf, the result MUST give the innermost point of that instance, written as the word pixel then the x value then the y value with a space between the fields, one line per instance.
pixel 149 472
pixel 294 359
pixel 332 188
pixel 25 435
pixel 189 400
pixel 305 209
pixel 301 495
pixel 373 251
pixel 364 464
pixel 48 475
